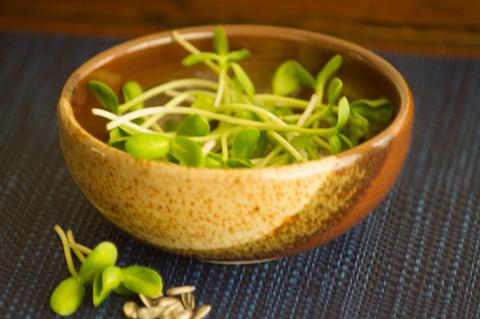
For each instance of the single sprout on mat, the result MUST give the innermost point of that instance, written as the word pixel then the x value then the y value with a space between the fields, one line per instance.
pixel 98 269
pixel 228 124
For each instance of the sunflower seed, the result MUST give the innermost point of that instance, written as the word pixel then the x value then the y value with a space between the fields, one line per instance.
pixel 202 312
pixel 188 300
pixel 183 314
pixel 148 313
pixel 172 308
pixel 130 309
pixel 148 302
pixel 166 301
pixel 175 291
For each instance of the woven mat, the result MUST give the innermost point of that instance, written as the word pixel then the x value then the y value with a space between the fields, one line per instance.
pixel 416 255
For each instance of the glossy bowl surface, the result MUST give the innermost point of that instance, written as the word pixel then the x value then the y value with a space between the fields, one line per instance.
pixel 235 215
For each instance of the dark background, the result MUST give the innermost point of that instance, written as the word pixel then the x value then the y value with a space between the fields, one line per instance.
pixel 427 26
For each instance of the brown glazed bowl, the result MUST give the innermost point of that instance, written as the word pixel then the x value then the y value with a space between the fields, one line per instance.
pixel 234 215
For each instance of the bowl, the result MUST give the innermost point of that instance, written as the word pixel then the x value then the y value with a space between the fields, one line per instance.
pixel 234 215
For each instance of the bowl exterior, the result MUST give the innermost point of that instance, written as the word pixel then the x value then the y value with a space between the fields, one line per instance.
pixel 234 215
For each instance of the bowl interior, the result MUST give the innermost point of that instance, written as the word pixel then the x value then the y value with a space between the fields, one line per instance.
pixel 156 59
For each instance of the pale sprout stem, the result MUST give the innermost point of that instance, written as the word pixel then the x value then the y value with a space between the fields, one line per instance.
pixel 191 93
pixel 282 100
pixel 83 249
pixel 321 142
pixel 283 142
pixel 156 127
pixel 221 88
pixel 212 115
pixel 172 93
pixel 260 111
pixel 281 160
pixel 159 89
pixel 66 251
pixel 173 102
pixel 308 111
pixel 264 162
pixel 192 49
pixel 112 117
pixel 292 117
pixel 256 161
pixel 207 147
pixel 73 246
pixel 224 146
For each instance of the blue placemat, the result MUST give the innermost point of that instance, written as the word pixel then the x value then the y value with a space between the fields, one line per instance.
pixel 417 255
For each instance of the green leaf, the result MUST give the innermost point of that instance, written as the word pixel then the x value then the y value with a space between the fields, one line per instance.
pixel 232 96
pixel 203 102
pixel 124 291
pixel 104 95
pixel 237 55
pixel 142 280
pixel 147 146
pixel 67 296
pixel 261 144
pixel 380 110
pixel 104 282
pixel 246 114
pixel 343 113
pixel 196 58
pixel 220 41
pixel 194 125
pixel 312 153
pixel 358 124
pixel 288 77
pixel 172 159
pixel 372 103
pixel 335 144
pixel 334 90
pixel 171 125
pixel 186 151
pixel 243 79
pixel 213 160
pixel 305 77
pixel 236 162
pixel 131 90
pixel 282 111
pixel 345 140
pixel 327 71
pixel 116 136
pixel 285 80
pixel 245 142
pixel 301 141
pixel 103 255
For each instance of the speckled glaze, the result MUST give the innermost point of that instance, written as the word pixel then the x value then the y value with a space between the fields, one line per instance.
pixel 234 215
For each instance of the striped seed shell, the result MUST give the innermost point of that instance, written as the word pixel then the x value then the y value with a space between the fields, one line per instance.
pixel 148 313
pixel 176 291
pixel 172 308
pixel 148 302
pixel 183 314
pixel 188 300
pixel 130 309
pixel 166 301
pixel 202 312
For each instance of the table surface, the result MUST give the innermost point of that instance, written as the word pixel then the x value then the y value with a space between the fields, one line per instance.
pixel 416 255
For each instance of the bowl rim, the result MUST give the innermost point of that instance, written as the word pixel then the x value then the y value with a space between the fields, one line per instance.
pixel 405 110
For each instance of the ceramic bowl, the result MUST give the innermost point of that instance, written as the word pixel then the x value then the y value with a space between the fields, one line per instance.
pixel 234 215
